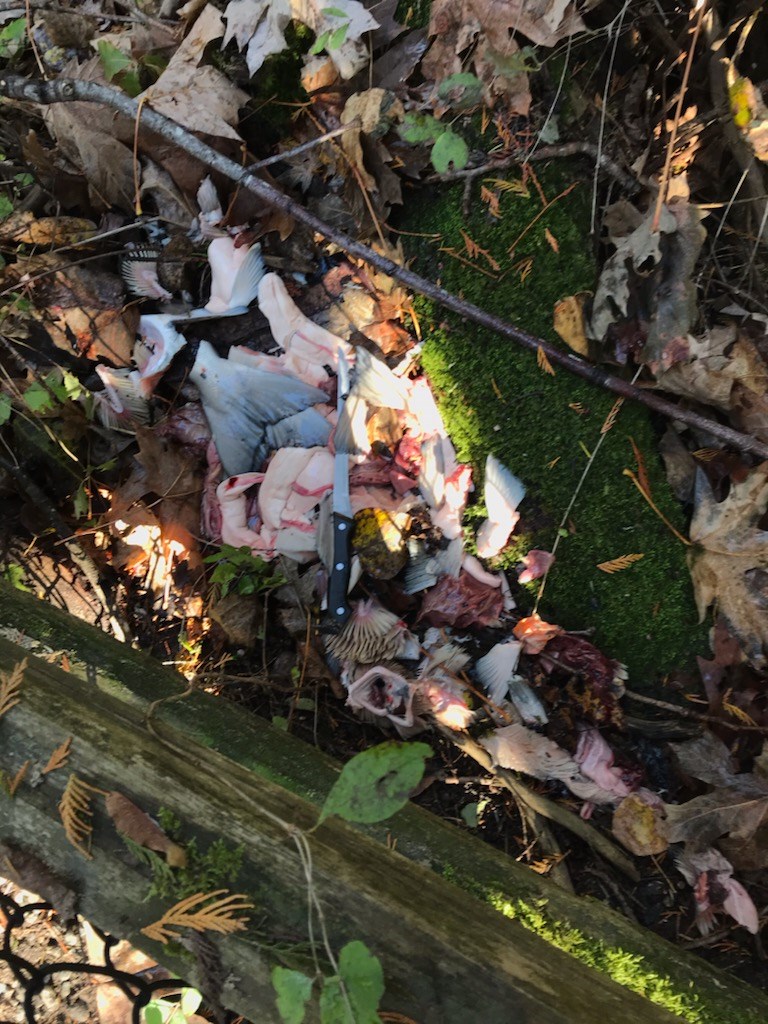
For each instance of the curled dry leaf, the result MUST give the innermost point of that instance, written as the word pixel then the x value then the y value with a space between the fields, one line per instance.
pixel 134 823
pixel 729 559
pixel 199 97
pixel 570 323
pixel 639 826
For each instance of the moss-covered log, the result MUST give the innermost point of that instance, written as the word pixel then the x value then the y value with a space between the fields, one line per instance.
pixel 456 924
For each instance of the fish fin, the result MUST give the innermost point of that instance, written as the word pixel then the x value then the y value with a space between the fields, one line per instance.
pixel 503 490
pixel 351 435
pixel 375 382
pixel 248 278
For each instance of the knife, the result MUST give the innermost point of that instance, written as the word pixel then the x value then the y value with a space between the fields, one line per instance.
pixel 338 607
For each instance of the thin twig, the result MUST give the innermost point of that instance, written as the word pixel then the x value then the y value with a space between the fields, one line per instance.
pixel 288 154
pixel 605 163
pixel 64 90
pixel 697 716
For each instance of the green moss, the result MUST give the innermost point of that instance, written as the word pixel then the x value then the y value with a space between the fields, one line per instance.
pixel 495 398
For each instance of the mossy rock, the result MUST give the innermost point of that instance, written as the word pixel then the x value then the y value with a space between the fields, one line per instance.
pixel 495 398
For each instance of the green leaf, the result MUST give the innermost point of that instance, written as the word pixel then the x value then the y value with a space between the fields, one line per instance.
pixel 190 1001
pixel 363 979
pixel 449 149
pixel 38 397
pixel 80 502
pixel 12 37
pixel 333 12
pixel 469 814
pixel 320 43
pixel 461 89
pixel 112 59
pixel 293 991
pixel 130 82
pixel 6 207
pixel 377 783
pixel 280 722
pixel 153 1014
pixel 14 574
pixel 333 1005
pixel 338 37
pixel 420 128
pixel 6 408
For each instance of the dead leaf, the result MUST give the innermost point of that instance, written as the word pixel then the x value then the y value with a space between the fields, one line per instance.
pixel 26 229
pixel 375 110
pixel 461 602
pixel 260 26
pixel 749 111
pixel 535 634
pixel 650 277
pixel 638 826
pixel 729 558
pixel 134 823
pixel 201 98
pixel 570 323
pixel 725 369
pixel 736 806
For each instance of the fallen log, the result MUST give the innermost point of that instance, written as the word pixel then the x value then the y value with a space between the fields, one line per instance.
pixel 446 913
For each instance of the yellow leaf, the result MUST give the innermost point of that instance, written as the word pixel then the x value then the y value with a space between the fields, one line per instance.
pixel 11 785
pixel 570 324
pixel 192 912
pixel 544 363
pixel 617 564
pixel 10 684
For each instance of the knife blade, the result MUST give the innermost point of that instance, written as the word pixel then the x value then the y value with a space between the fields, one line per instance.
pixel 338 606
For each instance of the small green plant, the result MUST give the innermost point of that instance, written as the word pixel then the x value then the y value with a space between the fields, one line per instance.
pixel 351 996
pixel 13 573
pixel 242 572
pixel 13 38
pixel 333 37
pixel 447 146
pixel 129 74
pixel 165 1011
pixel 216 868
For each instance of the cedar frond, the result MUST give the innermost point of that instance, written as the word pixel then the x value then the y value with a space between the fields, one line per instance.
pixel 473 250
pixel 610 419
pixel 617 564
pixel 705 454
pixel 517 187
pixel 10 684
pixel 492 199
pixel 553 242
pixel 11 785
pixel 738 713
pixel 543 363
pixel 191 912
pixel 74 810
pixel 58 758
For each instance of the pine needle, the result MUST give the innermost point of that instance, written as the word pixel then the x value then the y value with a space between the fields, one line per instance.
pixel 74 810
pixel 543 363
pixel 642 473
pixel 10 684
pixel 191 912
pixel 656 509
pixel 617 564
pixel 59 757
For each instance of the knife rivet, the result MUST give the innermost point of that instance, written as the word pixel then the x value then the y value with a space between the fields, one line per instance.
pixel 339 566
pixel 340 611
pixel 342 526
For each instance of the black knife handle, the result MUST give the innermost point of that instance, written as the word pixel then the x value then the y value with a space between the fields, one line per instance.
pixel 338 607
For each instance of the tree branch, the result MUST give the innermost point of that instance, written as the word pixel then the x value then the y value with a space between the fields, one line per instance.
pixel 66 90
